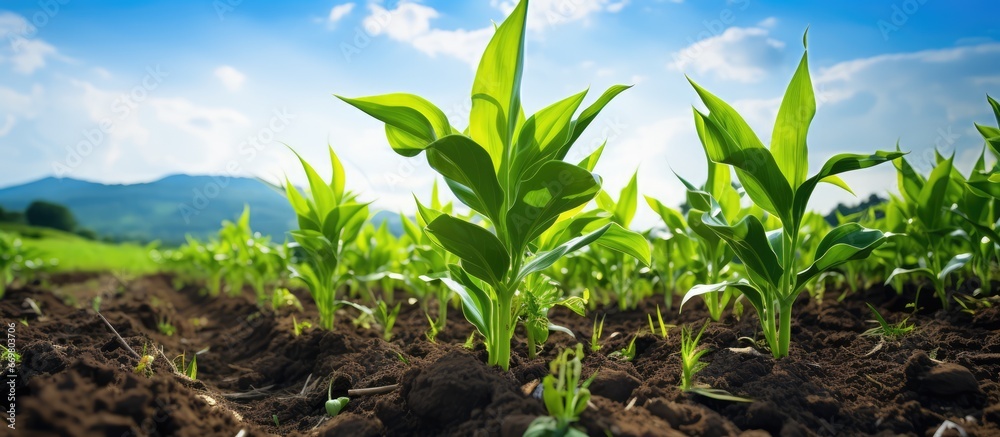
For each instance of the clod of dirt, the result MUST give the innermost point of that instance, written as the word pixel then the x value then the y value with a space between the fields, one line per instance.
pixel 447 391
pixel 992 414
pixel 691 420
pixel 615 385
pixel 353 425
pixel 612 418
pixel 945 379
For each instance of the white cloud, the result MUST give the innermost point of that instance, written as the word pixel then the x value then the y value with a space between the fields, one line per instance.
pixel 18 106
pixel 230 77
pixel 24 54
pixel 214 129
pixel 410 23
pixel 338 12
pixel 768 22
pixel 742 54
pixel 543 14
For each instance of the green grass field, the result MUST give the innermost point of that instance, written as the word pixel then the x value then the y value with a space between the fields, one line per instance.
pixel 76 254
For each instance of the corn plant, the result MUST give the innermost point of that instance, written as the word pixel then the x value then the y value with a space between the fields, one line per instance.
pixel 545 294
pixel 776 181
pixel 675 252
pixel 564 395
pixel 710 265
pixel 510 170
pixel 328 218
pixel 930 231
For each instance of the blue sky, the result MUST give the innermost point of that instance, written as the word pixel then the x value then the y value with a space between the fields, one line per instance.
pixel 180 87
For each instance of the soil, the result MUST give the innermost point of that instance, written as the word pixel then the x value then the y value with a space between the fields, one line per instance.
pixel 255 377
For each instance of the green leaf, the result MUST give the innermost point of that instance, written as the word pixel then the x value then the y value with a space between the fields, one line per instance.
pixel 462 161
pixel 750 292
pixel 590 162
pixel 588 115
pixel 496 99
pixel 671 217
pixel 338 178
pixel 755 166
pixel 932 195
pixel 557 187
pixel 543 135
pixel 545 259
pixel 482 254
pixel 837 164
pixel 411 121
pixel 749 240
pixel 627 202
pixel 847 242
pixel 475 302
pixel 625 241
pixel 788 140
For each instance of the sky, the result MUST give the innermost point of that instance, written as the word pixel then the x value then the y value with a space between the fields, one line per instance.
pixel 125 92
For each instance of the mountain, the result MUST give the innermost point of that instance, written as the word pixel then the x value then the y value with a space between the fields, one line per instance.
pixel 167 209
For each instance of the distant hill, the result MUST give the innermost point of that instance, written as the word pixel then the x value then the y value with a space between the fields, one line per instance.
pixel 167 209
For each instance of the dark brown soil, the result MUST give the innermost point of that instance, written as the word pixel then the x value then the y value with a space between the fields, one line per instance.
pixel 255 376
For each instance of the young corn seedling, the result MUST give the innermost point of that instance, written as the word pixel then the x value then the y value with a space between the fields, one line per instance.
pixel 886 330
pixel 691 364
pixel 776 180
pixel 188 368
pixel 663 327
pixel 627 353
pixel 510 170
pixel 328 218
pixel 596 333
pixel 564 396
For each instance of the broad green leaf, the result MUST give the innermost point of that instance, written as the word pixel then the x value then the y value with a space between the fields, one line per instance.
pixel 321 192
pixel 755 166
pixel 496 91
pixel 671 217
pixel 627 202
pixel 543 134
pixel 836 165
pixel 625 241
pixel 338 177
pixel 909 181
pixel 482 254
pixel 557 187
pixel 475 303
pixel 788 140
pixel 844 243
pixel 411 121
pixel 545 259
pixel 749 240
pixel 749 291
pixel 462 161
pixel 932 195
pixel 588 115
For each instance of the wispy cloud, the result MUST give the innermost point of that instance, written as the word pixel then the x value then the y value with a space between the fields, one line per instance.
pixel 742 54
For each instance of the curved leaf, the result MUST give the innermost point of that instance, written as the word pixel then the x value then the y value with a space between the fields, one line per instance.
pixel 844 243
pixel 407 117
pixel 482 254
pixel 496 91
pixel 749 241
pixel 462 161
pixel 557 187
pixel 788 140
